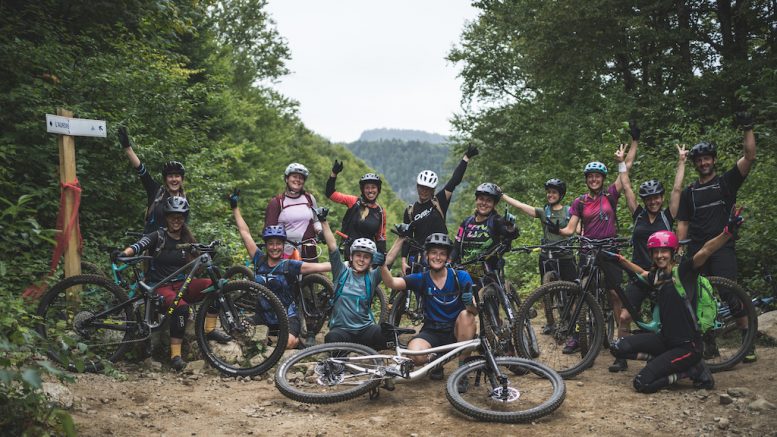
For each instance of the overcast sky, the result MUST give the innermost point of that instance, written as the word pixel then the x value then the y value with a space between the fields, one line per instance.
pixel 365 64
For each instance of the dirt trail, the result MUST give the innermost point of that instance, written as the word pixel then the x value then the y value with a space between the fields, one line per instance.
pixel 160 402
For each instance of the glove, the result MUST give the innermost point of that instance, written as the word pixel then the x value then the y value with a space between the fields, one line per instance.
pixel 552 227
pixel 510 218
pixel 124 137
pixel 735 220
pixel 337 167
pixel 634 130
pixel 466 295
pixel 611 256
pixel 471 151
pixel 402 229
pixel 321 213
pixel 234 198
pixel 378 259
pixel 115 255
pixel 745 120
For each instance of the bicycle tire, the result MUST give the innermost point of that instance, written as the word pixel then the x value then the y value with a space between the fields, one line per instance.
pixel 589 327
pixel 383 311
pixel 318 291
pixel 401 317
pixel 549 277
pixel 255 346
pixel 62 324
pixel 239 272
pixel 294 377
pixel 732 346
pixel 545 394
pixel 530 334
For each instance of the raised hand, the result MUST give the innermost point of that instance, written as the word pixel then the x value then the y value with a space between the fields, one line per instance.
pixel 321 213
pixel 234 198
pixel 634 130
pixel 402 229
pixel 378 259
pixel 735 221
pixel 124 137
pixel 682 153
pixel 620 154
pixel 745 120
pixel 471 152
pixel 337 167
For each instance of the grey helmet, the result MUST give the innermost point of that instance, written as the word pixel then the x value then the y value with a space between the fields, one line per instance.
pixel 489 189
pixel 650 188
pixel 438 239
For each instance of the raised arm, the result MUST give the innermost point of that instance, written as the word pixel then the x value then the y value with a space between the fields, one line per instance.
pixel 390 281
pixel 524 208
pixel 242 226
pixel 394 251
pixel 329 237
pixel 620 157
pixel 631 198
pixel 635 133
pixel 626 264
pixel 307 268
pixel 127 146
pixel 745 163
pixel 679 176
pixel 458 173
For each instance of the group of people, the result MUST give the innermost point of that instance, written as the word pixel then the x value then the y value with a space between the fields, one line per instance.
pixel 701 210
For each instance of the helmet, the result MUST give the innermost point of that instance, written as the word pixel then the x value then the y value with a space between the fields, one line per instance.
pixel 176 205
pixel 663 239
pixel 364 245
pixel 558 185
pixel 427 178
pixel 296 167
pixel 703 148
pixel 370 178
pixel 274 231
pixel 438 239
pixel 489 189
pixel 595 167
pixel 650 188
pixel 173 167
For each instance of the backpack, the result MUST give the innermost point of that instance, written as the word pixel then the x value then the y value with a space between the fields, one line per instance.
pixel 280 197
pixel 605 193
pixel 706 306
pixel 719 185
pixel 435 203
pixel 350 214
pixel 566 213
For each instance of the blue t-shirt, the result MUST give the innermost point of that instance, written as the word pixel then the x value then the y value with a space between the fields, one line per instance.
pixel 353 295
pixel 441 306
pixel 279 280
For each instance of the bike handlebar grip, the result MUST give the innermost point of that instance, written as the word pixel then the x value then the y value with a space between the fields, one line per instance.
pixel 342 234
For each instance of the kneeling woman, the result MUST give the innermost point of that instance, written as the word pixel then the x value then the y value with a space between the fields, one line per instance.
pixel 167 258
pixel 675 352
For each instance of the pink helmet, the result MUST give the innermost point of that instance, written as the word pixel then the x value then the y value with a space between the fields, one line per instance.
pixel 663 239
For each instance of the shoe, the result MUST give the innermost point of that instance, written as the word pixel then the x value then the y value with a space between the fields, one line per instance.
pixel 620 365
pixel 710 348
pixel 701 376
pixel 571 347
pixel 218 336
pixel 548 329
pixel 751 356
pixel 462 385
pixel 178 363
pixel 437 374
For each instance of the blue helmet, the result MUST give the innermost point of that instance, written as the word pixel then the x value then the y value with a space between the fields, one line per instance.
pixel 595 167
pixel 274 231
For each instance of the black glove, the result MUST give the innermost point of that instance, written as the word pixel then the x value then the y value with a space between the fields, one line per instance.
pixel 234 197
pixel 337 167
pixel 745 120
pixel 124 137
pixel 471 151
pixel 378 259
pixel 115 255
pixel 552 227
pixel 466 295
pixel 735 220
pixel 321 213
pixel 402 229
pixel 634 130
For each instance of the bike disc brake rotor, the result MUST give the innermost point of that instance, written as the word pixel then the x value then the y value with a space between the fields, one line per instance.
pixel 511 394
pixel 329 373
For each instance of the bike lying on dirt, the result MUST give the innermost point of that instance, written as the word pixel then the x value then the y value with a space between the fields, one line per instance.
pixel 336 372
pixel 94 319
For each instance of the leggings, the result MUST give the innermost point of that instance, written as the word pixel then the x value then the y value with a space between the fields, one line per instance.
pixel 669 362
pixel 371 336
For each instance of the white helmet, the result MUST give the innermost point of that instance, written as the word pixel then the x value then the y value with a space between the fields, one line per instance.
pixel 364 245
pixel 427 178
pixel 296 167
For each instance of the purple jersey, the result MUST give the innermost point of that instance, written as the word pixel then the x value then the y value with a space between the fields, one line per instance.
pixel 598 213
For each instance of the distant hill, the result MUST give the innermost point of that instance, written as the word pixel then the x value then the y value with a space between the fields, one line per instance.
pixel 402 135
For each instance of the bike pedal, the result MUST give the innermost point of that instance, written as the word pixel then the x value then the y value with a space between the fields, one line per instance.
pixel 388 384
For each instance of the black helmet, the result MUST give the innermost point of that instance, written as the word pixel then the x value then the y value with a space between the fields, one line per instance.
pixel 370 178
pixel 489 189
pixel 650 188
pixel 558 185
pixel 176 205
pixel 173 167
pixel 703 148
pixel 438 239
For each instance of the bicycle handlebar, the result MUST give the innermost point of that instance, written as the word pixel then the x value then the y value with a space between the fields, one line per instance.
pixel 200 247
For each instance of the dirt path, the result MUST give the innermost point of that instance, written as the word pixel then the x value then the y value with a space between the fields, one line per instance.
pixel 598 403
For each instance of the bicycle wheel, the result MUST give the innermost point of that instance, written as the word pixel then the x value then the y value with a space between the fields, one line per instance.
pixel 328 373
pixel 238 272
pixel 256 345
pixel 318 291
pixel 735 329
pixel 537 393
pixel 530 335
pixel 90 327
pixel 406 314
pixel 566 348
pixel 379 306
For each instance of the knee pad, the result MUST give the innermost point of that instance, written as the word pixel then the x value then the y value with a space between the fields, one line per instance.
pixel 178 321
pixel 620 348
pixel 639 384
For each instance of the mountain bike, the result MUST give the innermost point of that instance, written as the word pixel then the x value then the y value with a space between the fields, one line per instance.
pixel 764 303
pixel 336 372
pixel 406 308
pixel 93 319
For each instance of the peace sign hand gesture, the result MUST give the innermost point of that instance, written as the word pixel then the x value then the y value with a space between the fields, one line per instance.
pixel 620 154
pixel 682 153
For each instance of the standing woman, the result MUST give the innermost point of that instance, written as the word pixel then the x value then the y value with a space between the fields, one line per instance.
pixel 293 209
pixel 364 218
pixel 167 258
pixel 157 194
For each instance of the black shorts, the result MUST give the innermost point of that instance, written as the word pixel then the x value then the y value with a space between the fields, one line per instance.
pixel 721 263
pixel 436 337
pixel 636 292
pixel 295 326
pixel 613 274
pixel 566 266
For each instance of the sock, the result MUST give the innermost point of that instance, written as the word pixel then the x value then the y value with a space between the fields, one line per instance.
pixel 210 323
pixel 671 379
pixel 175 350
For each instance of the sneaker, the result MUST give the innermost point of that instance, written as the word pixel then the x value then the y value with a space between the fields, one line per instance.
pixel 571 347
pixel 218 336
pixel 178 363
pixel 437 374
pixel 710 348
pixel 620 365
pixel 462 385
pixel 751 356
pixel 701 376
